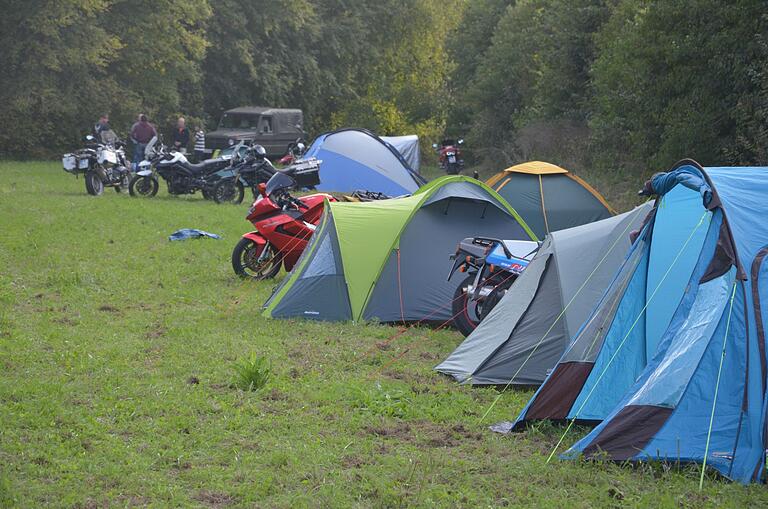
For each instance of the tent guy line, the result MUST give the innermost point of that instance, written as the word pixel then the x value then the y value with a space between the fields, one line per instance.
pixel 412 340
pixel 626 336
pixel 717 387
pixel 559 316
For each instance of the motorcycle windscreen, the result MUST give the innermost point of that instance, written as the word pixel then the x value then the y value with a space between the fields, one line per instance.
pixel 279 181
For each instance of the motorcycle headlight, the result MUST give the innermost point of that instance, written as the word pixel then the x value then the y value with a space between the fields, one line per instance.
pixel 231 142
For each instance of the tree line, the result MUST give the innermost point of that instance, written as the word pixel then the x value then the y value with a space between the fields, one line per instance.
pixel 607 84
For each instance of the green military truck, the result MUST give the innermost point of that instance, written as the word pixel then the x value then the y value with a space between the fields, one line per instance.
pixel 273 128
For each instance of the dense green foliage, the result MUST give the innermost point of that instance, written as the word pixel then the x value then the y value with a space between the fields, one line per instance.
pixel 622 83
pixel 373 63
pixel 586 83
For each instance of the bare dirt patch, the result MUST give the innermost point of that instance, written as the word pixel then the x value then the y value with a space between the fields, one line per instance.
pixel 214 498
pixel 353 461
pixel 157 331
pixel 426 432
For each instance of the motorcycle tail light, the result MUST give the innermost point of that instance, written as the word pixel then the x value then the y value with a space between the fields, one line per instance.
pixel 468 259
pixel 463 268
pixel 492 268
pixel 262 189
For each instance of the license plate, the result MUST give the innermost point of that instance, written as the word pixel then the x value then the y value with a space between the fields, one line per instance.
pixel 82 164
pixel 451 159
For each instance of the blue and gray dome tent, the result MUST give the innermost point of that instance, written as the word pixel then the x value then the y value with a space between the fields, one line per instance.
pixel 356 159
pixel 672 361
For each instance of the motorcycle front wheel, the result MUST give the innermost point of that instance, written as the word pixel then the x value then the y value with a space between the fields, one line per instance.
pixel 145 186
pixel 464 310
pixel 229 191
pixel 251 261
pixel 93 184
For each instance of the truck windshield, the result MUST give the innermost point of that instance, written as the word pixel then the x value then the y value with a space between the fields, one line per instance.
pixel 239 121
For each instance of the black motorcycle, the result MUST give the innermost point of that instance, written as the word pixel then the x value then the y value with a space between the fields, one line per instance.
pixel 103 165
pixel 248 169
pixel 181 176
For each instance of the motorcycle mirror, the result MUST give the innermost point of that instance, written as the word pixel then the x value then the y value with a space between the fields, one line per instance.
pixel 461 141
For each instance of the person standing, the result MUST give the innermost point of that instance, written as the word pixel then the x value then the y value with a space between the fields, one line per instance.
pixel 141 133
pixel 199 144
pixel 181 136
pixel 101 126
pixel 103 132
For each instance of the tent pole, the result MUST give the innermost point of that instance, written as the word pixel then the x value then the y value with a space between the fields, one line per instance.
pixel 543 206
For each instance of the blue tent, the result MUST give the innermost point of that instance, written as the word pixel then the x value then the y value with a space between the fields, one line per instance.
pixel 356 159
pixel 672 361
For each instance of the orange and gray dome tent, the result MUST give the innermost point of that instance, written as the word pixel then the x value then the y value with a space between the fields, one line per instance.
pixel 549 198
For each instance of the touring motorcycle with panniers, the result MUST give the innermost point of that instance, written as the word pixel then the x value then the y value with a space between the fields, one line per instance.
pixel 102 165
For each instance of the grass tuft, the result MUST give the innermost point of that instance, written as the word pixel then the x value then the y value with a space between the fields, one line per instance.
pixel 253 373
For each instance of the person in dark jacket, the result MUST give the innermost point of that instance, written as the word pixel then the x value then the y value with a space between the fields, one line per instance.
pixel 101 126
pixel 141 133
pixel 103 132
pixel 181 136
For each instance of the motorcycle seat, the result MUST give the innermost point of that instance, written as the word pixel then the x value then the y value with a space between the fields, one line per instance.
pixel 204 166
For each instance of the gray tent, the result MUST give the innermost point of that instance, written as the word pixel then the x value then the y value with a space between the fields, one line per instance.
pixel 408 146
pixel 523 337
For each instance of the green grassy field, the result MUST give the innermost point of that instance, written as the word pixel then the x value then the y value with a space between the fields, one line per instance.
pixel 117 351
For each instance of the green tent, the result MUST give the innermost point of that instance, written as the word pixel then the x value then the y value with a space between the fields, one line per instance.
pixel 388 260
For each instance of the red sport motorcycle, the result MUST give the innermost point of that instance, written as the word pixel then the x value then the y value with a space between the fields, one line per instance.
pixel 284 224
pixel 450 156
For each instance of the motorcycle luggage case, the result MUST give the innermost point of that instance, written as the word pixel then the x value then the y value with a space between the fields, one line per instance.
pixel 306 173
pixel 69 163
pixel 74 163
